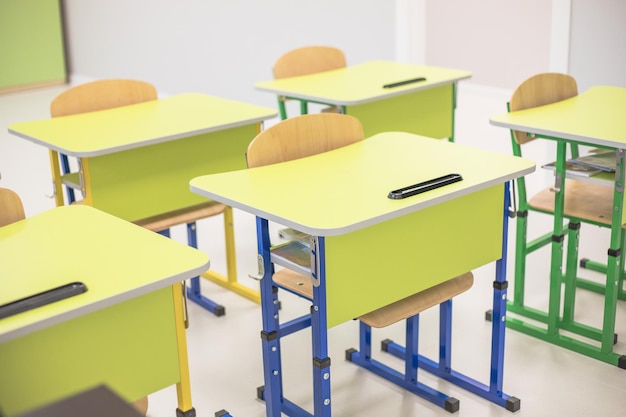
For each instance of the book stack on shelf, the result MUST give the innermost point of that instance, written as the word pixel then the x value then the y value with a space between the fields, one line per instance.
pixel 588 165
pixel 295 254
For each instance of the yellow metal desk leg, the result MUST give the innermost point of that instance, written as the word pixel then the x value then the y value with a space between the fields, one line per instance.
pixel 183 388
pixel 230 281
pixel 56 178
pixel 229 236
pixel 85 181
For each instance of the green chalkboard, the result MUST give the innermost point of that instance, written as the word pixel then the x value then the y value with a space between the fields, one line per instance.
pixel 31 44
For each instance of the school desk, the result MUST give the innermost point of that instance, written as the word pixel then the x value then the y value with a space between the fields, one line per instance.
pixel 595 118
pixel 126 331
pixel 423 107
pixel 136 161
pixel 370 249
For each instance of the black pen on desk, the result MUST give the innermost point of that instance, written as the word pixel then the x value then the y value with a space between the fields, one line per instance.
pixel 399 83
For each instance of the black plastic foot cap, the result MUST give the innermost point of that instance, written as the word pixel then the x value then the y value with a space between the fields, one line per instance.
pixel 488 315
pixel 349 353
pixel 384 344
pixel 189 413
pixel 583 262
pixel 513 404
pixel 260 393
pixel 621 363
pixel 222 413
pixel 220 311
pixel 452 405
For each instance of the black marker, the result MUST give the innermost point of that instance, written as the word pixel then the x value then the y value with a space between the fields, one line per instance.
pixel 422 187
pixel 42 299
pixel 399 83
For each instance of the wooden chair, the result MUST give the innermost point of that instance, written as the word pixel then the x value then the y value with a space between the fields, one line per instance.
pixel 585 202
pixel 303 61
pixel 111 93
pixel 11 208
pixel 323 132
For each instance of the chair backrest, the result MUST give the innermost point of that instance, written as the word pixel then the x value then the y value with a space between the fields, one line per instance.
pixel 101 95
pixel 539 90
pixel 308 60
pixel 94 96
pixel 302 136
pixel 11 208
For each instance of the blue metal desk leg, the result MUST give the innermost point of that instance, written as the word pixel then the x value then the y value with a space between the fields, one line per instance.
pixel 65 169
pixel 272 391
pixel 319 333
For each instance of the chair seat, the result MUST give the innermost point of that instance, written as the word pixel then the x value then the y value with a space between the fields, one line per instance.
pixel 583 200
pixel 294 282
pixel 183 216
pixel 392 313
pixel 416 303
pixel 174 218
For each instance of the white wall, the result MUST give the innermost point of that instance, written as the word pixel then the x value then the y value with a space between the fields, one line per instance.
pixel 503 42
pixel 218 47
pixel 223 47
pixel 598 43
pixel 500 42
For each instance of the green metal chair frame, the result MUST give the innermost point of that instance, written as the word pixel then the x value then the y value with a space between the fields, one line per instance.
pixel 584 203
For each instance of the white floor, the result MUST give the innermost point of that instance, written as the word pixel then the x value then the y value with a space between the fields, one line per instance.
pixel 225 352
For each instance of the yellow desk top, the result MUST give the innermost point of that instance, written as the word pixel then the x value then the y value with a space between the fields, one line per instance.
pixel 115 259
pixel 594 117
pixel 363 83
pixel 107 131
pixel 346 189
